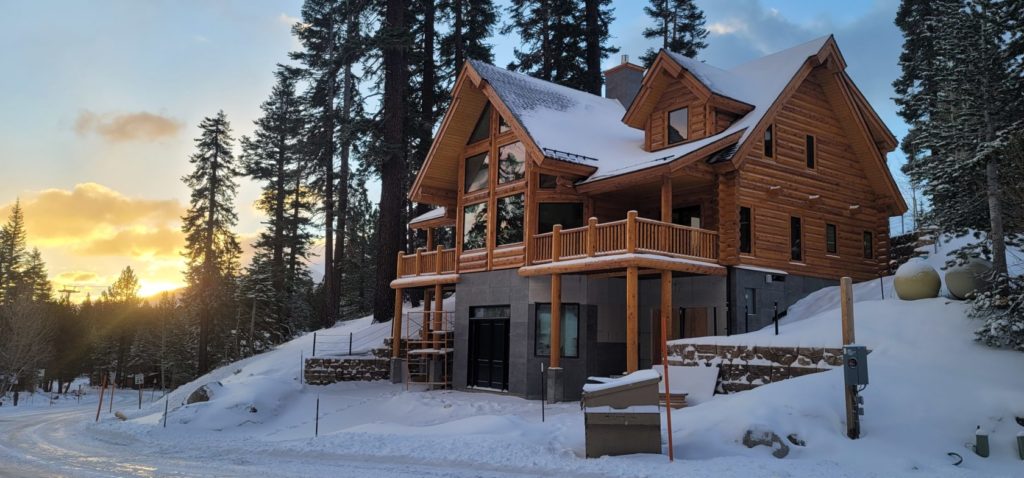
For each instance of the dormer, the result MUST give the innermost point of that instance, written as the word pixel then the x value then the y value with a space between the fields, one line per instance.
pixel 676 105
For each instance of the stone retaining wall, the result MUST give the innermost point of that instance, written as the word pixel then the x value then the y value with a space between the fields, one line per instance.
pixel 745 367
pixel 327 370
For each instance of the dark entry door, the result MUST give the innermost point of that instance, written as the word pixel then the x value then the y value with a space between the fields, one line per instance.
pixel 488 353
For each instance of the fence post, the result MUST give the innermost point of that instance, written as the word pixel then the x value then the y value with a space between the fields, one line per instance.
pixel 631 232
pixel 314 344
pixel 746 319
pixel 316 431
pixel 775 318
pixel 350 343
pixel 714 319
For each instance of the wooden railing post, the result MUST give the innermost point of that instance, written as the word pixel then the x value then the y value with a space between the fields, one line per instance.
pixel 556 242
pixel 591 237
pixel 437 260
pixel 419 259
pixel 399 269
pixel 631 232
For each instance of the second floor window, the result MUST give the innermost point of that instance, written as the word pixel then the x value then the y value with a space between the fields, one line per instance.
pixel 869 246
pixel 678 125
pixel 511 162
pixel 746 238
pixel 796 243
pixel 509 217
pixel 810 151
pixel 476 172
pixel 831 245
pixel 769 141
pixel 482 130
pixel 474 226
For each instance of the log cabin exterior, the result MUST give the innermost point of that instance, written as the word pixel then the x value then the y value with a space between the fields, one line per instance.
pixel 704 195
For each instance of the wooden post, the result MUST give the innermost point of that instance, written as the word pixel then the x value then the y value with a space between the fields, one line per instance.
pixel 666 312
pixel 438 310
pixel 591 237
pixel 631 232
pixel 556 320
pixel 419 261
pixel 556 242
pixel 399 267
pixel 666 212
pixel 437 260
pixel 103 389
pixel 396 326
pixel 430 238
pixel 632 335
pixel 846 306
pixel 425 318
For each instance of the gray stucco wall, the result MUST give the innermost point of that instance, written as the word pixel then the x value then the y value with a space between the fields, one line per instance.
pixel 782 289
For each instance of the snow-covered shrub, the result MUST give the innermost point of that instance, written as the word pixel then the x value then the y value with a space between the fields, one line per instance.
pixel 1002 316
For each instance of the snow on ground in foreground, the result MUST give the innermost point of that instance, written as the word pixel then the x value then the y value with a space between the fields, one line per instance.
pixel 931 385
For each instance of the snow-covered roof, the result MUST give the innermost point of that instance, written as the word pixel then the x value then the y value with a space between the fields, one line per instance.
pixel 432 214
pixel 580 127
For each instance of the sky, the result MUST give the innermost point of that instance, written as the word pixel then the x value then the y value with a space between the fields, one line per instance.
pixel 103 98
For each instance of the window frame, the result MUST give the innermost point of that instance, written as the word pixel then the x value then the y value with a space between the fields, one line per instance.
pixel 799 238
pixel 668 126
pixel 537 328
pixel 486 153
pixel 465 228
pixel 868 244
pixel 490 126
pixel 834 250
pixel 769 146
pixel 750 230
pixel 497 220
pixel 523 161
pixel 811 152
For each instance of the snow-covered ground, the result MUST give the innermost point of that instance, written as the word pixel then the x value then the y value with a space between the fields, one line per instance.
pixel 931 386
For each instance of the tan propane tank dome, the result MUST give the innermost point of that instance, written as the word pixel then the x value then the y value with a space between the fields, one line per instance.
pixel 964 279
pixel 917 280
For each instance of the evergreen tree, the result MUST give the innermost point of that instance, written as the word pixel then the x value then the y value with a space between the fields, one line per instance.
pixel 468 25
pixel 361 238
pixel 553 39
pixel 679 24
pixel 35 279
pixel 13 253
pixel 212 248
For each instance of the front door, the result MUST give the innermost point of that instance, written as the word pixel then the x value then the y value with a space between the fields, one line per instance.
pixel 488 353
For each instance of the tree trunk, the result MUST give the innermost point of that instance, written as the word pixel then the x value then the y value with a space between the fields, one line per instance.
pixel 328 167
pixel 392 171
pixel 995 214
pixel 343 174
pixel 459 48
pixel 593 35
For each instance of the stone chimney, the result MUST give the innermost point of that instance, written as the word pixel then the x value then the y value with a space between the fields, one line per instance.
pixel 623 81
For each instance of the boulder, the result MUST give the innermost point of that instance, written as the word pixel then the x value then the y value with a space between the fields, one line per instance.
pixel 964 279
pixel 917 280
pixel 758 436
pixel 204 393
pixel 120 416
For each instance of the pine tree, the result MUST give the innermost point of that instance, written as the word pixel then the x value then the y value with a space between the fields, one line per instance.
pixel 13 253
pixel 553 36
pixel 359 263
pixel 212 248
pixel 468 25
pixel 679 24
pixel 34 277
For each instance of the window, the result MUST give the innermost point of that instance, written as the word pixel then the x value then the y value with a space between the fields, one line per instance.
pixel 570 330
pixel 687 216
pixel 474 226
pixel 869 246
pixel 769 141
pixel 503 127
pixel 476 172
pixel 796 246
pixel 509 217
pixel 678 125
pixel 830 239
pixel 810 151
pixel 490 312
pixel 746 239
pixel 568 214
pixel 482 130
pixel 511 162
pixel 548 181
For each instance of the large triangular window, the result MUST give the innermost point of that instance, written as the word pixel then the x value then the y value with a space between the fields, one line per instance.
pixel 483 126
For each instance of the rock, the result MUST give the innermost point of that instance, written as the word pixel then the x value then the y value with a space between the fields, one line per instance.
pixel 917 280
pixel 204 393
pixel 761 437
pixel 252 409
pixel 963 280
pixel 120 416
pixel 795 439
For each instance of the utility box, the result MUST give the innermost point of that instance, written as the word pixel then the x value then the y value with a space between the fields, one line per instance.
pixel 855 365
pixel 622 416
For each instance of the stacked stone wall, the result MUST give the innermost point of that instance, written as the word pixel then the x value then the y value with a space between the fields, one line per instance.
pixel 328 370
pixel 745 367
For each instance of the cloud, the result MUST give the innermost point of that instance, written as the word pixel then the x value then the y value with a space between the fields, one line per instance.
pixel 76 277
pixel 160 242
pixel 126 127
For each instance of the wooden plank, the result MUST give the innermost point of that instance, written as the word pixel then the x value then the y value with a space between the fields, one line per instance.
pixel 632 313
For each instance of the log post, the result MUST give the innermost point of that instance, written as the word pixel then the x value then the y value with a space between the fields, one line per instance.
pixel 556 320
pixel 430 238
pixel 846 307
pixel 425 319
pixel 399 270
pixel 438 311
pixel 556 242
pixel 437 260
pixel 419 261
pixel 666 313
pixel 632 311
pixel 591 237
pixel 666 212
pixel 396 326
pixel 631 232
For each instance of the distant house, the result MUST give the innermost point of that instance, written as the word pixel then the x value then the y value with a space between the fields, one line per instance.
pixel 706 194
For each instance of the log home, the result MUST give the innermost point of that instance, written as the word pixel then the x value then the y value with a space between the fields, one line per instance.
pixel 707 195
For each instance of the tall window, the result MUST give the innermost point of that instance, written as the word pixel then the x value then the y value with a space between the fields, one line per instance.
pixel 869 246
pixel 678 125
pixel 568 214
pixel 482 130
pixel 476 172
pixel 511 162
pixel 796 244
pixel 474 226
pixel 509 215
pixel 570 328
pixel 746 239
pixel 769 141
pixel 830 239
pixel 810 151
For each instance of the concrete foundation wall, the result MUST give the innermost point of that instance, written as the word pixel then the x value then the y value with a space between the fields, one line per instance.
pixel 782 289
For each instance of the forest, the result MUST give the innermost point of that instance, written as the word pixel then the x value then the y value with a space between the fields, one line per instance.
pixel 360 100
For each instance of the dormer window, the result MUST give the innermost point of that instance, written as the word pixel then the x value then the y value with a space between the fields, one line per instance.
pixel 678 125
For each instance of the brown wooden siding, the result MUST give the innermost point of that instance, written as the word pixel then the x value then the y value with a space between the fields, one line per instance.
pixel 676 96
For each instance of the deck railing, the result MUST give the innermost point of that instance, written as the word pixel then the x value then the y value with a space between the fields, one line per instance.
pixel 630 235
pixel 439 261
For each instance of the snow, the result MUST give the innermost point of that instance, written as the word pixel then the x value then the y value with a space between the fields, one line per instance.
pixel 914 267
pixel 435 213
pixel 697 383
pixel 636 377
